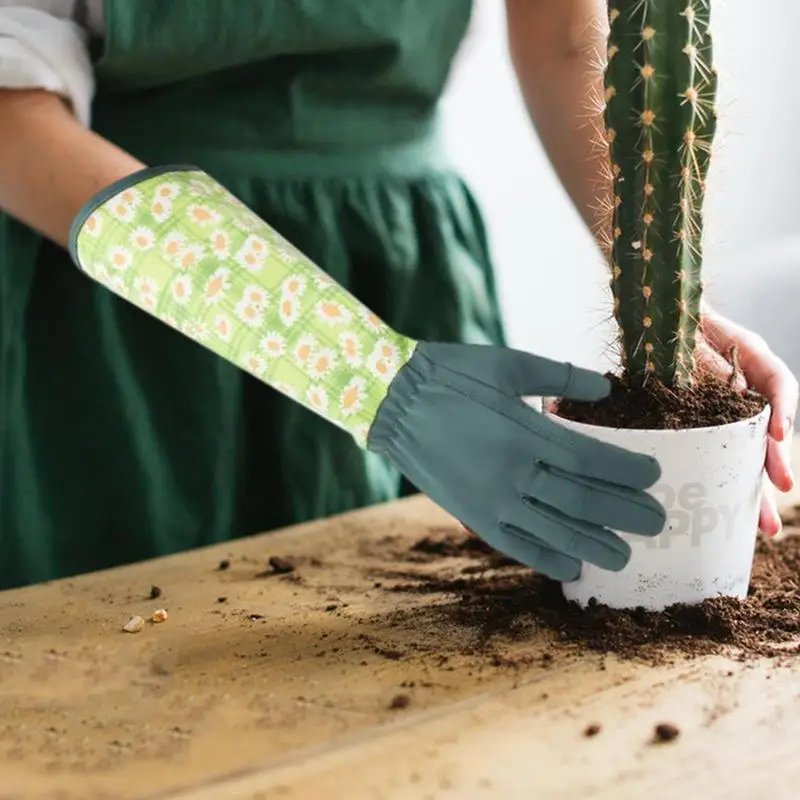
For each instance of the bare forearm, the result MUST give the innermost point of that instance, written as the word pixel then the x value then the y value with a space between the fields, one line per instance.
pixel 50 165
pixel 557 47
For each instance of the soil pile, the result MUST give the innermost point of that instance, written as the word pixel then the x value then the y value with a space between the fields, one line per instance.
pixel 654 406
pixel 504 601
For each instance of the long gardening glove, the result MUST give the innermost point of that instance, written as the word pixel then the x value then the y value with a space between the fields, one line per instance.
pixel 450 417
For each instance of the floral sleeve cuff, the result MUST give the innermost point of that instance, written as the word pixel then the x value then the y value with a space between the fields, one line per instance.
pixel 178 245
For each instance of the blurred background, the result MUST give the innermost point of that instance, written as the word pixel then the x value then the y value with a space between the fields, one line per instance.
pixel 553 285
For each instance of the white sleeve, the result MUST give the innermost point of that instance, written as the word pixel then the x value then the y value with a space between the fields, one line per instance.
pixel 41 47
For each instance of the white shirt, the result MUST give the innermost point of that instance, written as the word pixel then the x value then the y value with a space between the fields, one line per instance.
pixel 44 45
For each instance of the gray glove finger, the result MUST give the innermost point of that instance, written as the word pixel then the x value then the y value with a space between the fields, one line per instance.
pixel 516 373
pixel 562 379
pixel 584 455
pixel 595 501
pixel 559 532
pixel 524 547
pixel 551 443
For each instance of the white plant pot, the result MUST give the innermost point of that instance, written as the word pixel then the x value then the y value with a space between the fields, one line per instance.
pixel 710 485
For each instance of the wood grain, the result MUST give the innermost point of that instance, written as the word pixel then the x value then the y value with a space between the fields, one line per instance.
pixel 283 690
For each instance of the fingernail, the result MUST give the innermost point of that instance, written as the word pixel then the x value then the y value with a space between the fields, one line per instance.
pixel 788 424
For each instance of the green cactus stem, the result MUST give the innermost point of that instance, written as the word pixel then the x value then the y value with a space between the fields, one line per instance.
pixel 660 117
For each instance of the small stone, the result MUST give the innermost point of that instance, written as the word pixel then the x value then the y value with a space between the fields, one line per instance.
pixel 133 625
pixel 160 615
pixel 591 730
pixel 155 592
pixel 666 732
pixel 281 565
pixel 400 701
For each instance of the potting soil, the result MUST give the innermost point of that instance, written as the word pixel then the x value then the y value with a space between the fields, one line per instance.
pixel 655 406
pixel 496 600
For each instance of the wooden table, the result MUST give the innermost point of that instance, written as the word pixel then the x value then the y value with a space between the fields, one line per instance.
pixel 282 690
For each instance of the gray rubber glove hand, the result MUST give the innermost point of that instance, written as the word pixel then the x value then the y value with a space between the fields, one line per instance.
pixel 455 424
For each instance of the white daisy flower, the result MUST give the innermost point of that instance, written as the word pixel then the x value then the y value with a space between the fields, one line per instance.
pixel 216 286
pixel 120 210
pixel 160 210
pixel 273 344
pixel 146 287
pixel 386 350
pixel 99 272
pixel 221 244
pixel 181 289
pixel 252 315
pixel 305 348
pixel 254 363
pixel 322 280
pixel 251 261
pixel 93 225
pixel 288 255
pixel 380 367
pixel 117 285
pixel 333 313
pixel 131 196
pixel 120 258
pixel 293 286
pixel 202 215
pixel 172 245
pixel 189 256
pixel 289 310
pixel 142 238
pixel 351 348
pixel 223 327
pixel 148 301
pixel 374 322
pixel 167 191
pixel 196 330
pixel 258 245
pixel 321 363
pixel 318 398
pixel 255 295
pixel 352 397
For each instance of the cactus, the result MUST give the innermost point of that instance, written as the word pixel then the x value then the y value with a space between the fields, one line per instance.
pixel 660 119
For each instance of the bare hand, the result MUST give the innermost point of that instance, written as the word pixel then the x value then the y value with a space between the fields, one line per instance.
pixel 767 374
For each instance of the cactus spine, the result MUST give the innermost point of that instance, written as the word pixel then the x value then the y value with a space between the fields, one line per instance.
pixel 660 117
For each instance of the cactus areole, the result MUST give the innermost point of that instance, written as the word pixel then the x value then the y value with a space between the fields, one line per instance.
pixel 660 117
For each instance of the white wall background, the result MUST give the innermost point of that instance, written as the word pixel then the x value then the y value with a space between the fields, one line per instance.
pixel 551 281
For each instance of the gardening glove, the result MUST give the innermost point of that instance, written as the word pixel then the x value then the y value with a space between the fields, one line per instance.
pixel 450 417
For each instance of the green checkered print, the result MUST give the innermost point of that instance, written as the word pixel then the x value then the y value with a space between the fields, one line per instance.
pixel 181 247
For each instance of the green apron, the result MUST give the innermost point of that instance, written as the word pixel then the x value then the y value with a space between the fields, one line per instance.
pixel 121 440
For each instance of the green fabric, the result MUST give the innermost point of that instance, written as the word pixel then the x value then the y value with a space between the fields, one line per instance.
pixel 175 243
pixel 122 440
pixel 455 423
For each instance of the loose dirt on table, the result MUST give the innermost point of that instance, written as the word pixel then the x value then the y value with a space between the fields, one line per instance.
pixel 497 602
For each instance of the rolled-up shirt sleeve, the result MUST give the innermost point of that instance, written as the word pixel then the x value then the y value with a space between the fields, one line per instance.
pixel 43 47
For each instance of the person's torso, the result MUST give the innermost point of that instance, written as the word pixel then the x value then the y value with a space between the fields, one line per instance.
pixel 273 75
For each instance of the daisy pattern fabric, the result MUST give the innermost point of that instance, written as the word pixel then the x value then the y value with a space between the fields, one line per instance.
pixel 178 245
